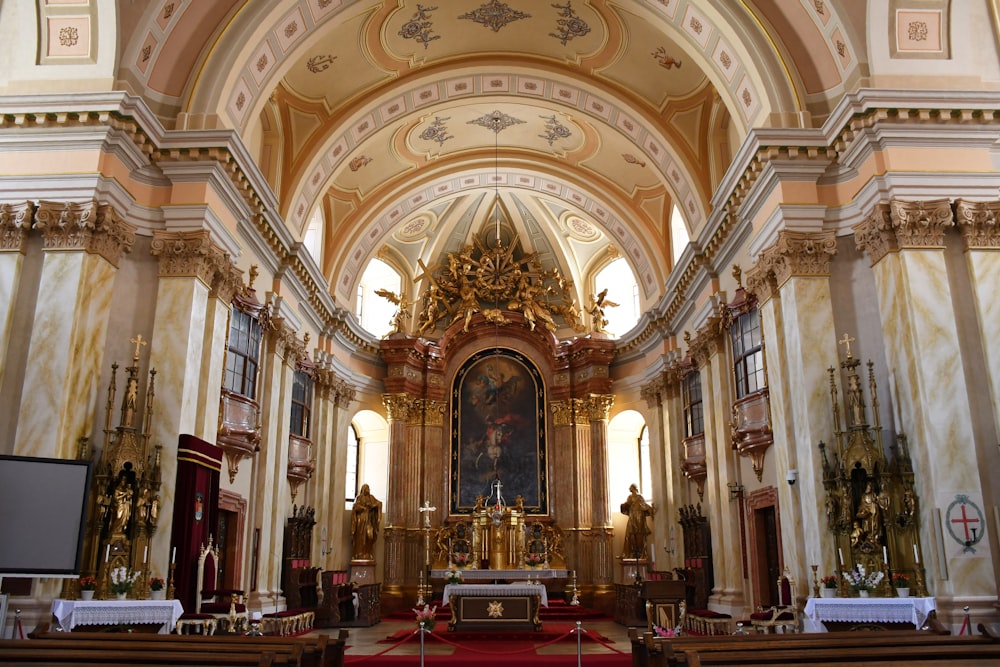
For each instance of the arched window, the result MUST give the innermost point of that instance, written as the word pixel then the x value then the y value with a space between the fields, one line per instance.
pixel 623 290
pixel 374 312
pixel 679 237
pixel 352 463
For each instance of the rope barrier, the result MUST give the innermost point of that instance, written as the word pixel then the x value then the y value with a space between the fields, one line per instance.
pixel 351 660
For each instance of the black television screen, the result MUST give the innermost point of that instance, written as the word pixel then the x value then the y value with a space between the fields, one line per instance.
pixel 43 507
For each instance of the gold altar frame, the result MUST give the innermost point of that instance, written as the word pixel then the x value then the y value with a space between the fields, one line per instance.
pixel 498 429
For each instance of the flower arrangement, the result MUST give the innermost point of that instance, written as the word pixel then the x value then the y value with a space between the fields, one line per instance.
pixel 661 631
pixel 900 580
pixel 533 559
pixel 122 580
pixel 425 618
pixel 155 584
pixel 88 583
pixel 860 580
pixel 453 576
pixel 829 581
pixel 460 559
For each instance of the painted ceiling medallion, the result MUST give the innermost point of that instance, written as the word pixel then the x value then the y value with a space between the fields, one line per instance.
pixel 580 229
pixel 496 121
pixel 664 59
pixel 570 25
pixel 554 129
pixel 419 28
pixel 495 15
pixel 437 131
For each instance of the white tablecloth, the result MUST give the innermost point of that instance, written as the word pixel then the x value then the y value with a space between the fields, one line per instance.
pixel 469 574
pixel 865 610
pixel 71 613
pixel 498 590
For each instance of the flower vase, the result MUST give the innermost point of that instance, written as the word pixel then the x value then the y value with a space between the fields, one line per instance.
pixel 157 595
pixel 862 594
pixel 828 592
pixel 903 592
pixel 120 596
pixel 86 595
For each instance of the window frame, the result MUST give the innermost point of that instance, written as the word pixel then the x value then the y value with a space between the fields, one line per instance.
pixel 693 406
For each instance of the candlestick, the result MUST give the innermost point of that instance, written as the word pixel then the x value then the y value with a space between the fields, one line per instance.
pixel 916 556
pixel 841 552
pixel 145 554
pixel 885 555
pixel 107 553
pixel 173 556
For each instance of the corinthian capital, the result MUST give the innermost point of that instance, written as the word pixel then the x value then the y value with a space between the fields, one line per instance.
pixel 397 406
pixel 15 220
pixel 921 224
pixel 194 254
pixel 978 222
pixel 875 235
pixel 96 228
pixel 599 406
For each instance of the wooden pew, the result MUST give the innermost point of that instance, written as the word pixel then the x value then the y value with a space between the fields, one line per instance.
pixel 49 653
pixel 651 651
pixel 315 651
pixel 971 652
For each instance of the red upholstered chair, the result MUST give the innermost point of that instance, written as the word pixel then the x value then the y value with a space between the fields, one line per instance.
pixel 783 614
pixel 226 605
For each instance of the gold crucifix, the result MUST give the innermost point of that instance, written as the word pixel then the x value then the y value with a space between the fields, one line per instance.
pixel 426 510
pixel 846 341
pixel 138 341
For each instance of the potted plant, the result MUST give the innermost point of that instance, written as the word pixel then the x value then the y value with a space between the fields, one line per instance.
pixel 88 585
pixel 862 581
pixel 122 581
pixel 829 589
pixel 426 618
pixel 156 591
pixel 901 582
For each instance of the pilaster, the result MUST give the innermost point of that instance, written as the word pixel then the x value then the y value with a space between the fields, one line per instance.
pixel 15 220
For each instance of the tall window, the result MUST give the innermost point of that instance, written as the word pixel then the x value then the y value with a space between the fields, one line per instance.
pixel 748 357
pixel 694 416
pixel 645 469
pixel 242 354
pixel 302 393
pixel 618 279
pixel 352 463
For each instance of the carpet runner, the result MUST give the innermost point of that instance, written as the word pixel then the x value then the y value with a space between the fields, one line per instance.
pixel 557 611
pixel 549 632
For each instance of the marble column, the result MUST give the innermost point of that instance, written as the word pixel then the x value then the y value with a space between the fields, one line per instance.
pixel 660 461
pixel 792 284
pixel 569 449
pixel 83 244
pixel 15 221
pixel 599 408
pixel 193 273
pixel 905 242
pixel 401 515
pixel 330 426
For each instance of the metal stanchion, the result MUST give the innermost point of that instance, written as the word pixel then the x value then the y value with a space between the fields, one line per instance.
pixel 422 631
pixel 579 643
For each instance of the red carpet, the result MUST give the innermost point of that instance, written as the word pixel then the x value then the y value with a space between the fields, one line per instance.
pixel 549 632
pixel 557 611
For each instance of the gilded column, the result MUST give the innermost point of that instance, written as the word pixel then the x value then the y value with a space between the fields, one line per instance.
pixel 905 242
pixel 569 449
pixel 83 244
pixel 791 282
pixel 15 220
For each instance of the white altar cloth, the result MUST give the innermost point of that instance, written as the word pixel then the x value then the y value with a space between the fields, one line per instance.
pixel 469 574
pixel 71 613
pixel 499 590
pixel 865 610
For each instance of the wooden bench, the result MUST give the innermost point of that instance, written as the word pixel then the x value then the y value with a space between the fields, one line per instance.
pixel 316 651
pixel 53 653
pixel 651 651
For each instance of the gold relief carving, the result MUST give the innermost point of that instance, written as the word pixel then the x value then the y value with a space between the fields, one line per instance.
pixel 978 223
pixel 599 406
pixel 562 413
pixel 433 412
pixel 921 224
pixel 15 220
pixel 875 235
pixel 98 229
pixel 397 406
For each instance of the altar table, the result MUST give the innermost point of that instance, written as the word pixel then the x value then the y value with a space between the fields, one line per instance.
pixel 494 606
pixel 469 574
pixel 71 613
pixel 865 611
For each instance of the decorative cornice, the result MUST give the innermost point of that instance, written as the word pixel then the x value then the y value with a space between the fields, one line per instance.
pixel 15 221
pixel 978 223
pixel 921 224
pixel 96 228
pixel 874 235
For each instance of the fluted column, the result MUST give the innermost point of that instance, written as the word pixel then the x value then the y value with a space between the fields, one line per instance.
pixel 905 242
pixel 404 491
pixel 599 407
pixel 15 220
pixel 330 426
pixel 569 449
pixel 83 244
pixel 660 462
pixel 792 283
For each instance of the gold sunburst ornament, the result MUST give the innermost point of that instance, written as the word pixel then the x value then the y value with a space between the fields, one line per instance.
pixel 495 609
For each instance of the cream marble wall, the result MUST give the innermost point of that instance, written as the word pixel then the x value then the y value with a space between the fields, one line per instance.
pixel 67 343
pixel 10 279
pixel 984 270
pixel 213 363
pixel 922 346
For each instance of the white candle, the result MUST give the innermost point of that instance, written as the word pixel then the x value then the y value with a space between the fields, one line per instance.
pixel 916 557
pixel 885 555
pixel 652 553
pixel 107 553
pixel 173 556
pixel 841 552
pixel 145 554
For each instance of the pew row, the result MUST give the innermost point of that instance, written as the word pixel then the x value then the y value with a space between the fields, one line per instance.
pixel 883 648
pixel 124 648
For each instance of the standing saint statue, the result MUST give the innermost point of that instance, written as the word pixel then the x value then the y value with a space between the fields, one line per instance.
pixel 637 509
pixel 365 519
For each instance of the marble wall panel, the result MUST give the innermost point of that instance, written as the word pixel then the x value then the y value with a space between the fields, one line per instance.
pixel 10 278
pixel 984 269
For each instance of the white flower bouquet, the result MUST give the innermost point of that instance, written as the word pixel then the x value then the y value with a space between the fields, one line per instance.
pixel 860 580
pixel 122 580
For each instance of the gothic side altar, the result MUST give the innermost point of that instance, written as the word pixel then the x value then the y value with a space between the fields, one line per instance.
pixel 864 613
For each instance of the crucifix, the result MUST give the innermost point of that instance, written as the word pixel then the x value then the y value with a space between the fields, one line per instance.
pixel 424 585
pixel 426 510
pixel 846 342
pixel 138 341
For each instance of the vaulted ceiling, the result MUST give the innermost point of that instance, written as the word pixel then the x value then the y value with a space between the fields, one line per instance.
pixel 408 124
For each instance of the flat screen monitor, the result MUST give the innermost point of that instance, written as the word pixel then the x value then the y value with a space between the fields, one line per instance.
pixel 43 507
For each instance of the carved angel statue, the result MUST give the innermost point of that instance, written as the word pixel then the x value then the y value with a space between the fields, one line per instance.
pixel 596 310
pixel 402 313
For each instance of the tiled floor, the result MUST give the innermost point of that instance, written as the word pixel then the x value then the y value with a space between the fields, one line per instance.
pixel 364 641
